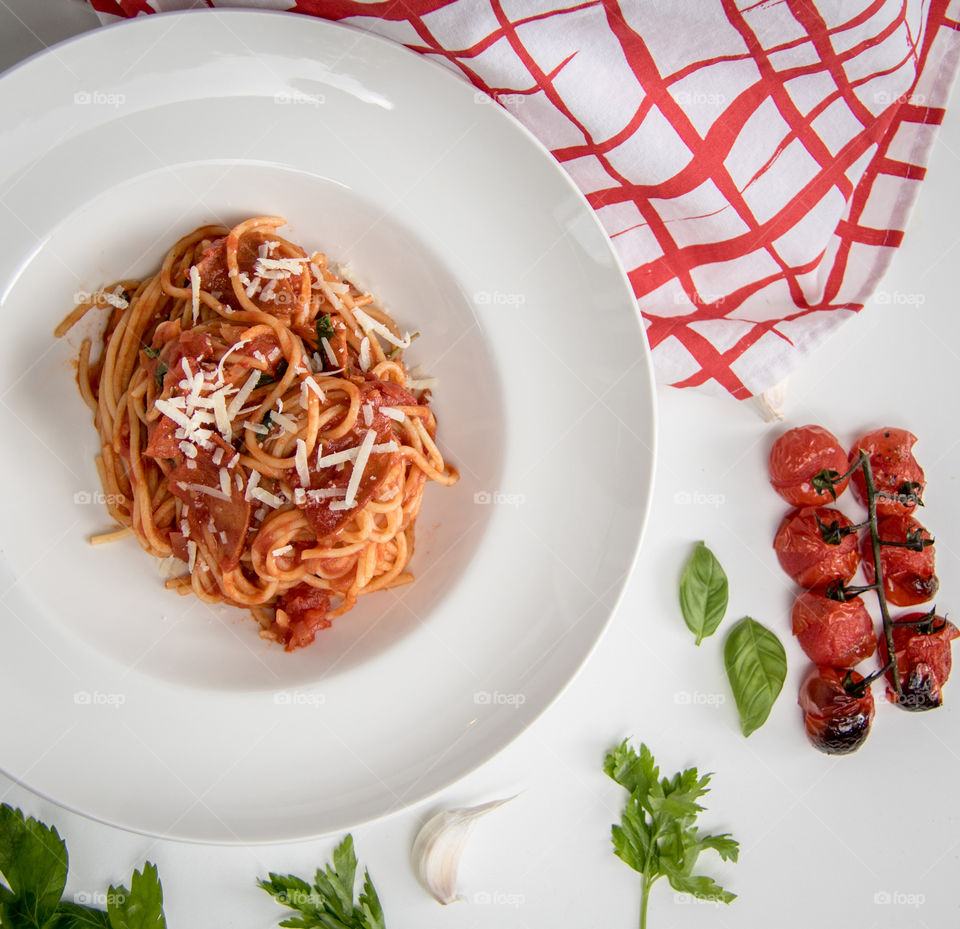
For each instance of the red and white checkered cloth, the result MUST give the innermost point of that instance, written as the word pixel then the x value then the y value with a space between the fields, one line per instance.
pixel 754 163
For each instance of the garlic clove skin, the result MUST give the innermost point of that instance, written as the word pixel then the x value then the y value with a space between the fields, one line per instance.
pixel 439 845
pixel 772 403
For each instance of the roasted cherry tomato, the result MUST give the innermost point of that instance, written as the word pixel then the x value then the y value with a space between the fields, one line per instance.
pixel 801 454
pixel 806 557
pixel 835 634
pixel 895 470
pixel 921 642
pixel 837 722
pixel 909 576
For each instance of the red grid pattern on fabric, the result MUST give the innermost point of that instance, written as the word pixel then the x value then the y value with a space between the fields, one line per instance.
pixel 847 58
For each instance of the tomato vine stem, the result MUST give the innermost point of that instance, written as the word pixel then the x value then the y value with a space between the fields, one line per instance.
pixel 871 487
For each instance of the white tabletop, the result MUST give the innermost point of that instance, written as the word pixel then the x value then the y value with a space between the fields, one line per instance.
pixel 868 839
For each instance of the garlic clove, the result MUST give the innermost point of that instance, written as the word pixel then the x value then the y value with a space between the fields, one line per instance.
pixel 439 845
pixel 771 404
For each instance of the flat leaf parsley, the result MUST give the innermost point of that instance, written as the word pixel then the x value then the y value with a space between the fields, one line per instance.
pixel 657 835
pixel 329 903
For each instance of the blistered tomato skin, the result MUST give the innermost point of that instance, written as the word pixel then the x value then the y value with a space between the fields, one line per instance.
pixel 806 557
pixel 838 635
pixel 924 660
pixel 909 577
pixel 836 722
pixel 798 456
pixel 893 465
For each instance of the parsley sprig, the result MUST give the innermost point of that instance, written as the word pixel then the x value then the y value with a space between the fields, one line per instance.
pixel 658 836
pixel 34 862
pixel 329 903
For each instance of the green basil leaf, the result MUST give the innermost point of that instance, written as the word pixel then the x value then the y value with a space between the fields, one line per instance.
pixel 268 422
pixel 704 592
pixel 756 666
pixel 159 374
pixel 324 327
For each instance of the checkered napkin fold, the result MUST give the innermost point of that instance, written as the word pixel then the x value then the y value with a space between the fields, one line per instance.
pixel 754 163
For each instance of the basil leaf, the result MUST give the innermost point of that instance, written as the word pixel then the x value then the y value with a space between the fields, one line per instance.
pixel 268 422
pixel 756 666
pixel 324 327
pixel 159 374
pixel 151 352
pixel 704 592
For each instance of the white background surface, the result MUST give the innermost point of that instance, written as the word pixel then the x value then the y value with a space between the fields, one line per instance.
pixel 824 841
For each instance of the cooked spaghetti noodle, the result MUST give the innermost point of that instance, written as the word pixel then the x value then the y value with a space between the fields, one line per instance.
pixel 258 423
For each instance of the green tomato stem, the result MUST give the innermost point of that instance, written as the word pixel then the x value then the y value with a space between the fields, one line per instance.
pixel 878 572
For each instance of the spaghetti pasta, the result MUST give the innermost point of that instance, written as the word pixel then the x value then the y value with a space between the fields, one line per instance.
pixel 256 423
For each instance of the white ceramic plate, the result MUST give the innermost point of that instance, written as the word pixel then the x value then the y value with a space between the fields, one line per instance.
pixel 127 703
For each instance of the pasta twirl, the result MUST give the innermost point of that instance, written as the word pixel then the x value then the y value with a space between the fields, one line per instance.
pixel 256 423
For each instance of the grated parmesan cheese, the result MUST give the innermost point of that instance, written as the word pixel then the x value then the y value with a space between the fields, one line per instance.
pixel 209 491
pixel 195 292
pixel 332 298
pixel 115 297
pixel 181 419
pixel 222 416
pixel 363 456
pixel 286 423
pixel 325 493
pixel 369 325
pixel 279 264
pixel 315 387
pixel 349 454
pixel 393 413
pixel 330 353
pixel 421 383
pixel 248 386
pixel 300 459
pixel 252 482
pixel 264 496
